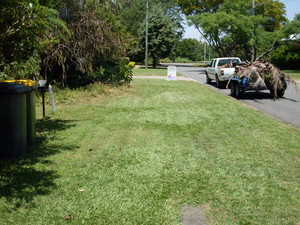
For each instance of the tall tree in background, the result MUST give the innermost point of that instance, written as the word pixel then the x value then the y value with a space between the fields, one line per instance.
pixel 195 7
pixel 133 17
pixel 162 34
pixel 191 49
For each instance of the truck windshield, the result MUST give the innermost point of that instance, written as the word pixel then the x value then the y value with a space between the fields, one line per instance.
pixel 228 62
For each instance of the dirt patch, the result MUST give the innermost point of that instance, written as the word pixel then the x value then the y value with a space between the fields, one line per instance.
pixel 193 215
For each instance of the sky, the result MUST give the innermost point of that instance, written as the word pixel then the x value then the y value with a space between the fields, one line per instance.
pixel 292 7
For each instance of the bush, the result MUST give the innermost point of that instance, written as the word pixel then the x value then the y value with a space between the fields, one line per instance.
pixel 126 60
pixel 113 71
pixel 131 65
pixel 287 57
pixel 106 71
pixel 29 69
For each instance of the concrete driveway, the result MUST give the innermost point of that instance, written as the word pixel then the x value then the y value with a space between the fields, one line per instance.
pixel 286 108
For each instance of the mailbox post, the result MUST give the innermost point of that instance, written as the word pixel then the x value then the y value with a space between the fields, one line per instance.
pixel 42 89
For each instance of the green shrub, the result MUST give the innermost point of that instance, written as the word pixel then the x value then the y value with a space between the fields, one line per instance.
pixel 28 69
pixel 113 71
pixel 131 65
pixel 126 60
pixel 287 57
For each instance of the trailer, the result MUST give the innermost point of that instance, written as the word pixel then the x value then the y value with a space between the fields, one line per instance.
pixel 257 76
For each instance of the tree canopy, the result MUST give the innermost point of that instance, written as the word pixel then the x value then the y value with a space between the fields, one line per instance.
pixel 232 29
pixel 191 49
pixel 23 26
pixel 287 55
pixel 194 7
pixel 133 17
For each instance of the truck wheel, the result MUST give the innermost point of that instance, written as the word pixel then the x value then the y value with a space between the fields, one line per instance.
pixel 232 89
pixel 208 80
pixel 218 82
pixel 237 90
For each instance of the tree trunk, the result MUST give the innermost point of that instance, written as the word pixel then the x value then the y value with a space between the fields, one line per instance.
pixel 276 45
pixel 155 61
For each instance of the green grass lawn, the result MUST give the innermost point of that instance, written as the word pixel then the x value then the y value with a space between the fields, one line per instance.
pixel 152 72
pixel 137 154
pixel 295 74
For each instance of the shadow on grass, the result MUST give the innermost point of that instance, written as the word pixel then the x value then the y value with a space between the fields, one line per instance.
pixel 23 179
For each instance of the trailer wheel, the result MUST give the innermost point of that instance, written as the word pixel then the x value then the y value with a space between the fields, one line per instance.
pixel 232 89
pixel 237 90
pixel 208 80
pixel 280 93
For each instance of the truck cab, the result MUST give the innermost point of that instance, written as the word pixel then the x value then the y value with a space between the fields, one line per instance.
pixel 221 69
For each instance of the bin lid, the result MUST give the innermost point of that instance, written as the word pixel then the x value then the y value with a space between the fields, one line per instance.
pixel 13 88
pixel 28 83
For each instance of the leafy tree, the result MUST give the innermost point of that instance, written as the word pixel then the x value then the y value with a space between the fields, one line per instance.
pixel 292 29
pixel 233 30
pixel 133 17
pixel 162 34
pixel 194 7
pixel 134 12
pixel 32 33
pixel 189 48
pixel 24 26
pixel 98 37
pixel 287 55
pixel 273 11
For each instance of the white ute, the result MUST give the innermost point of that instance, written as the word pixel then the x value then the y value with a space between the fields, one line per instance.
pixel 221 69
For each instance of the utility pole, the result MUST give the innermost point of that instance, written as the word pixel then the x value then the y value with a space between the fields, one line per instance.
pixel 146 44
pixel 204 58
pixel 253 48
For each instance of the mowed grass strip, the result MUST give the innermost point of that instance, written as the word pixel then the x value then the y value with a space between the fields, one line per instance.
pixel 136 155
pixel 295 74
pixel 161 71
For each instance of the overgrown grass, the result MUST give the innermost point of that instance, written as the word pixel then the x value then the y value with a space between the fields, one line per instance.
pixel 135 155
pixel 295 74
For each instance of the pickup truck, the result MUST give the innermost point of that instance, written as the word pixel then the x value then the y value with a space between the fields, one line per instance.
pixel 221 69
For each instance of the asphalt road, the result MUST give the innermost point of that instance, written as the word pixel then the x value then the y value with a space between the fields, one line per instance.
pixel 286 108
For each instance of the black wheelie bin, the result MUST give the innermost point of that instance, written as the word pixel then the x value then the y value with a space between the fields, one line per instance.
pixel 13 120
pixel 17 117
